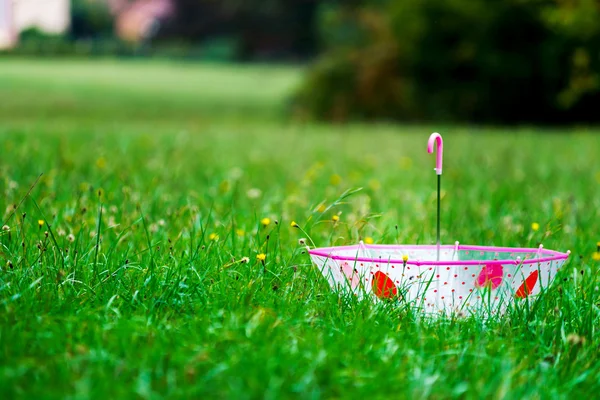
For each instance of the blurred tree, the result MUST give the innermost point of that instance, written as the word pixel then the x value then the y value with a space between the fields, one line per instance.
pixel 91 19
pixel 262 30
pixel 467 60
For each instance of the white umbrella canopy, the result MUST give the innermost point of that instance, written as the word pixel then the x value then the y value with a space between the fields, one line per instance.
pixel 463 279
pixel 440 279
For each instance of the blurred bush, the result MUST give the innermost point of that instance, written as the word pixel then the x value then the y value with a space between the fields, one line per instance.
pixel 258 29
pixel 33 42
pixel 91 19
pixel 456 60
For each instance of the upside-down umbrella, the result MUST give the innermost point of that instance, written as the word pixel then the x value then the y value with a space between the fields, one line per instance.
pixel 440 278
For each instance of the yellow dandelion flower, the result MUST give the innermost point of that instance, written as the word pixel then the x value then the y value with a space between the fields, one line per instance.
pixel 265 221
pixel 335 218
pixel 261 257
pixel 213 236
pixel 405 258
pixel 40 222
pixel 535 226
pixel 101 163
pixel 240 232
pixel 369 240
pixel 405 163
pixel 335 179
pixel 374 184
pixel 596 256
pixel 321 208
pixel 294 224
pixel 224 186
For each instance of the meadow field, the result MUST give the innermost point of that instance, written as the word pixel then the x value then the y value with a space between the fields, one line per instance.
pixel 147 247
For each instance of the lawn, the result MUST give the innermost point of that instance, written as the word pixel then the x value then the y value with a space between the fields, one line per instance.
pixel 133 193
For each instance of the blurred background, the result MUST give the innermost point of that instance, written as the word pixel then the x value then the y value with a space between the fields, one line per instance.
pixel 467 61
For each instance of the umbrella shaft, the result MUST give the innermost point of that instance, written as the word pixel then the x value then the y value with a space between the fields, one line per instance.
pixel 439 184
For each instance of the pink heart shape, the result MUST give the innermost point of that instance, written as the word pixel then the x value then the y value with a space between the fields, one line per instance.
pixel 490 276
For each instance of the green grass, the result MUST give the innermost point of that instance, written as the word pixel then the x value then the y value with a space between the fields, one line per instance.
pixel 158 158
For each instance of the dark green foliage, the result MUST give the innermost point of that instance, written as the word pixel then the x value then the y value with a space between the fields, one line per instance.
pixel 475 60
pixel 228 30
pixel 265 30
pixel 90 19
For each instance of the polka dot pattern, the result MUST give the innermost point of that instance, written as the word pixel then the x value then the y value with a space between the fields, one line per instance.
pixel 441 288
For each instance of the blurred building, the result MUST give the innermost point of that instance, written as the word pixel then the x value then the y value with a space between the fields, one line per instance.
pixel 134 20
pixel 7 31
pixel 49 16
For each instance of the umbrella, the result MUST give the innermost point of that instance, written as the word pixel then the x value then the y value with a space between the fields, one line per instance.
pixel 440 278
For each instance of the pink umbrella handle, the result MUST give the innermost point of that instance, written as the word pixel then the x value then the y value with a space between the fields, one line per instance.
pixel 436 137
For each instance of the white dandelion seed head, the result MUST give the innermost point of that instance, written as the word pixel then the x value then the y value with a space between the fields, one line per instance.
pixel 253 193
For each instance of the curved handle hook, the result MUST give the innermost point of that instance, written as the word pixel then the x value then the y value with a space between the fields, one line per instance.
pixel 436 137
